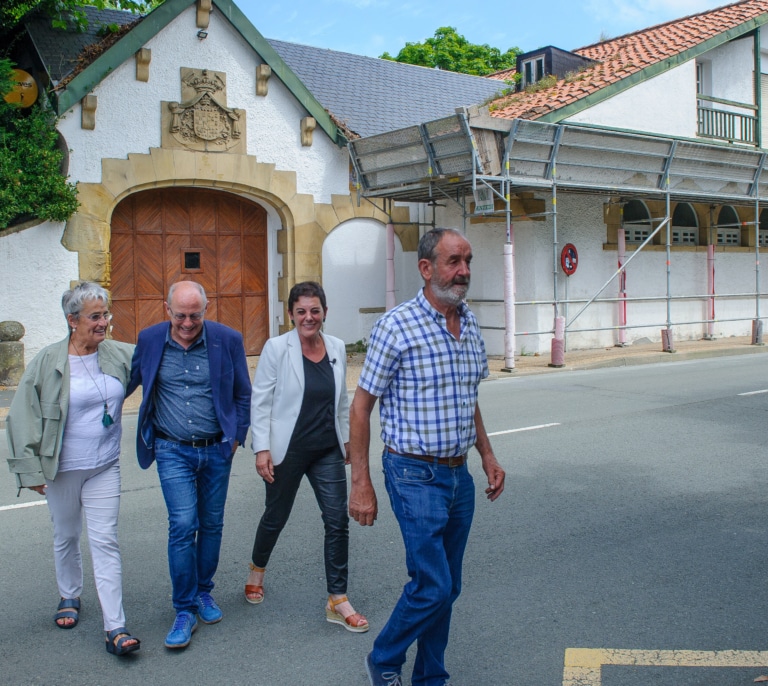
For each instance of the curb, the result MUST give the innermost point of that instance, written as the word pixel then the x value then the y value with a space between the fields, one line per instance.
pixel 589 360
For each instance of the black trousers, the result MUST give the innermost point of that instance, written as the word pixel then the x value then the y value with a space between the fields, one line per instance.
pixel 328 478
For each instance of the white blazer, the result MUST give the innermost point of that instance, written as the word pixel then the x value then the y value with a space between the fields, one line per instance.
pixel 278 390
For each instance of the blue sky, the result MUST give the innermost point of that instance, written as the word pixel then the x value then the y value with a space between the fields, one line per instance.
pixel 371 27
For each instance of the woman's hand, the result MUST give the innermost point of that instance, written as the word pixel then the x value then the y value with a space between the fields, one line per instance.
pixel 264 466
pixel 38 489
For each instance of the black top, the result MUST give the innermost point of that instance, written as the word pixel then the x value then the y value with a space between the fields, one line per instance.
pixel 316 427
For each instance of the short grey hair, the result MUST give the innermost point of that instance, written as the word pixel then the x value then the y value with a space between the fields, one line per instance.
pixel 199 288
pixel 428 243
pixel 72 300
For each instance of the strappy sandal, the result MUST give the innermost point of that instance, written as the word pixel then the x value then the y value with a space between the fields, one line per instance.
pixel 355 623
pixel 69 608
pixel 250 589
pixel 118 647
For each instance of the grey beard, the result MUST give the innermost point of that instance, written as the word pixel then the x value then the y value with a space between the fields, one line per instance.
pixel 449 295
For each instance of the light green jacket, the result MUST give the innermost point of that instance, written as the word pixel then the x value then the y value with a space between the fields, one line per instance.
pixel 38 412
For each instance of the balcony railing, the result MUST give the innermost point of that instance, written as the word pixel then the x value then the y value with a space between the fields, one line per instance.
pixel 727 125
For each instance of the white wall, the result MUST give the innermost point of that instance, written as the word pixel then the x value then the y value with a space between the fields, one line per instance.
pixel 129 111
pixel 354 277
pixel 36 271
pixel 665 104
pixel 580 221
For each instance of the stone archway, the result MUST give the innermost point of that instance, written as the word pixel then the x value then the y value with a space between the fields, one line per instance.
pixel 305 223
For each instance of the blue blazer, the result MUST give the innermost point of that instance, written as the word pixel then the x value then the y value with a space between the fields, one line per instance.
pixel 230 383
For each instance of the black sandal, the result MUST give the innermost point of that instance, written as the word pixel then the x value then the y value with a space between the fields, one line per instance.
pixel 118 647
pixel 72 613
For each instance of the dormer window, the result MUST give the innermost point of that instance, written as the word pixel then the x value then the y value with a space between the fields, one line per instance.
pixel 533 70
pixel 535 65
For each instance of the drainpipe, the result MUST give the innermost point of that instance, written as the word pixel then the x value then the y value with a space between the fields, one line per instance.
pixel 711 291
pixel 622 255
pixel 509 288
pixel 389 302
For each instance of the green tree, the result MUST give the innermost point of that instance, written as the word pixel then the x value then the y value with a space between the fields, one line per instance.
pixel 64 13
pixel 31 182
pixel 449 50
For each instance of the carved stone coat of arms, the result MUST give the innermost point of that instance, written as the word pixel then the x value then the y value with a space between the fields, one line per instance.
pixel 202 121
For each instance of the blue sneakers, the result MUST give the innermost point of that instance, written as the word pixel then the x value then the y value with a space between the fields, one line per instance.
pixel 378 678
pixel 181 632
pixel 207 609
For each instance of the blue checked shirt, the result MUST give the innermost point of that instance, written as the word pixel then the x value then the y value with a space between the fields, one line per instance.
pixel 425 379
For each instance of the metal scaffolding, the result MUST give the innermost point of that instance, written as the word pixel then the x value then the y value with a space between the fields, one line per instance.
pixel 457 156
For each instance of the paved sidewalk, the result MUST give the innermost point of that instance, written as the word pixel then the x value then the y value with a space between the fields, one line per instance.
pixel 635 354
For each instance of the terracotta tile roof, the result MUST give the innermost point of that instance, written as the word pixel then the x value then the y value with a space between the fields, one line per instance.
pixel 623 56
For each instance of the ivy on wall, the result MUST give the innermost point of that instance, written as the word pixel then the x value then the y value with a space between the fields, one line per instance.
pixel 31 181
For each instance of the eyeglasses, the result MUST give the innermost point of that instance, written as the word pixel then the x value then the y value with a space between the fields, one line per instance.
pixel 179 317
pixel 96 317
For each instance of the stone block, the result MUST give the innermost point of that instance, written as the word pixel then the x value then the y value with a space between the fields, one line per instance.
pixel 11 362
pixel 283 185
pixel 163 162
pixel 326 217
pixel 117 176
pixel 11 331
pixel 85 233
pixel 308 238
pixel 94 266
pixel 143 169
pixel 184 167
pixel 343 206
pixel 303 209
pixel 95 200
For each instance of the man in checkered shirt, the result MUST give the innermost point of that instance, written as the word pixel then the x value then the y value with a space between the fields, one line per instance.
pixel 425 361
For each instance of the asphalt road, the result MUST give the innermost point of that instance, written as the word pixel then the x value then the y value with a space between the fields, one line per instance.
pixel 633 525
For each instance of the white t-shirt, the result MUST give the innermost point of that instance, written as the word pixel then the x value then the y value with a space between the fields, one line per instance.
pixel 87 443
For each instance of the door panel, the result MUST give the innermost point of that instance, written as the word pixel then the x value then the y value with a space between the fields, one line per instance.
pixel 214 238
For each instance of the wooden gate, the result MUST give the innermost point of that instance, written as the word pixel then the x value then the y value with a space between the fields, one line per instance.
pixel 215 238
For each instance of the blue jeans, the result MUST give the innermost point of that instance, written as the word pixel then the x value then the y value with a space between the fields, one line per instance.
pixel 434 505
pixel 194 483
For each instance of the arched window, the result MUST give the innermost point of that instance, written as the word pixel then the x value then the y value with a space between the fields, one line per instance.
pixel 685 225
pixel 728 226
pixel 636 221
pixel 763 233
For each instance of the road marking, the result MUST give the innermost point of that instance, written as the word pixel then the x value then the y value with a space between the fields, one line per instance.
pixel 524 428
pixel 583 665
pixel 765 390
pixel 20 505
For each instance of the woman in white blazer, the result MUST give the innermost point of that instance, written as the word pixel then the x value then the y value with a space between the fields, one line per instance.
pixel 300 427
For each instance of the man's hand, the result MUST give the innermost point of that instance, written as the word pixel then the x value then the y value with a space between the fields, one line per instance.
pixel 496 476
pixel 363 507
pixel 491 465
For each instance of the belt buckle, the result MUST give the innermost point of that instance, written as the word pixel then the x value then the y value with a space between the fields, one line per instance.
pixel 455 461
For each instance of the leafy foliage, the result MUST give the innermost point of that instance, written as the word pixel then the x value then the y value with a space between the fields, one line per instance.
pixel 64 13
pixel 31 182
pixel 449 50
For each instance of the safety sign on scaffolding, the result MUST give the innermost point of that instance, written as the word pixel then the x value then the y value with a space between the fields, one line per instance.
pixel 483 200
pixel 569 258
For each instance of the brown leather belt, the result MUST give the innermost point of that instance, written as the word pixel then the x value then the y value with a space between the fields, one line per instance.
pixel 451 462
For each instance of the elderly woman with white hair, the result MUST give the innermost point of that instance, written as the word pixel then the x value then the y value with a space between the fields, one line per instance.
pixel 64 433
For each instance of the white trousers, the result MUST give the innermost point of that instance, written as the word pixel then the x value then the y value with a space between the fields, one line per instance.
pixel 95 492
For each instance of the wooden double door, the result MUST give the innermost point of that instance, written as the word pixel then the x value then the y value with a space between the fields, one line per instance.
pixel 218 239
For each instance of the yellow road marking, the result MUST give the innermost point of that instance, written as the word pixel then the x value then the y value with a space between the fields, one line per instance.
pixel 583 665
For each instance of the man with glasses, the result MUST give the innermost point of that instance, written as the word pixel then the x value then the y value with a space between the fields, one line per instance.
pixel 194 413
